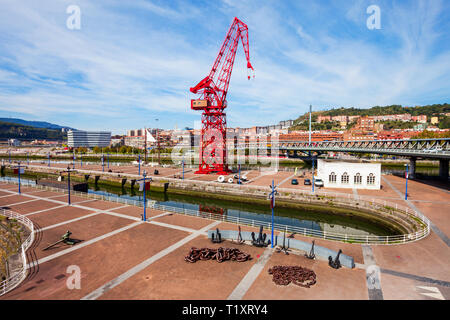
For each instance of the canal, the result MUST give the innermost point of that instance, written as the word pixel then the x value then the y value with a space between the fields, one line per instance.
pixel 303 218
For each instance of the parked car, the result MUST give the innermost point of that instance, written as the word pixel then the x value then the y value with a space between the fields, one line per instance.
pixel 294 181
pixel 307 182
pixel 318 182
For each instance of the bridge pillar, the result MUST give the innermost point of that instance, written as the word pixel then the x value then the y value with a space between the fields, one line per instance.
pixel 412 168
pixel 443 169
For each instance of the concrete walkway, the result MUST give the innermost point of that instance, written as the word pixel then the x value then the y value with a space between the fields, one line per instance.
pixel 245 284
pixel 412 206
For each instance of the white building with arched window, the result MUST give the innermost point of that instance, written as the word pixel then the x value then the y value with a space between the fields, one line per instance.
pixel 344 174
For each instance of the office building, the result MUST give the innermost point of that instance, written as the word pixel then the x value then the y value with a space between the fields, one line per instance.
pixel 88 139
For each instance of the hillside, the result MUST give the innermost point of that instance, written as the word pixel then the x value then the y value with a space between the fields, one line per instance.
pixel 36 124
pixel 23 132
pixel 428 110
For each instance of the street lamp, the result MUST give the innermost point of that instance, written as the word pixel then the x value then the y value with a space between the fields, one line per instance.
pixel 272 205
pixel 312 184
pixel 406 176
pixel 139 164
pixel 68 183
pixel 18 172
pixel 144 217
pixel 182 163
pixel 239 167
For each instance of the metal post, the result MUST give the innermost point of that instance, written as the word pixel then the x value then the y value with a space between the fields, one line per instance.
pixel 406 189
pixel 81 157
pixel 239 166
pixel 73 159
pixel 139 164
pixel 107 157
pixel 68 184
pixel 310 110
pixel 312 184
pixel 19 177
pixel 272 205
pixel 182 162
pixel 145 217
pixel 9 156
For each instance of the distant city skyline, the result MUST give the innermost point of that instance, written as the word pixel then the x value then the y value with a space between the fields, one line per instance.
pixel 131 64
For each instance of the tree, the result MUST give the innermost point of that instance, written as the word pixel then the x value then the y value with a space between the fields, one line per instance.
pixel 432 135
pixel 123 149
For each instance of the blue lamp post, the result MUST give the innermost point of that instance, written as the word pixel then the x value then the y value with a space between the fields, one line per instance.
pixel 272 205
pixel 182 164
pixel 406 176
pixel 139 164
pixel 145 198
pixel 144 217
pixel 18 172
pixel 239 166
pixel 312 184
pixel 73 160
pixel 107 157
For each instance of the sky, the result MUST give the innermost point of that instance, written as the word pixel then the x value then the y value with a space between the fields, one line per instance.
pixel 130 64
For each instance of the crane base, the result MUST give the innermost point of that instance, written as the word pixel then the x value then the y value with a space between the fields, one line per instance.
pixel 206 171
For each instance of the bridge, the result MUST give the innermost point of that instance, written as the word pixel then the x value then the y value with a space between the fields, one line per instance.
pixel 436 149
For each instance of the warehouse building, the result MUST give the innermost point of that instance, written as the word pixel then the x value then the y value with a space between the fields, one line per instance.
pixel 340 174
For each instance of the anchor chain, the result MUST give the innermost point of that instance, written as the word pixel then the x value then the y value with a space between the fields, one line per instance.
pixel 220 254
pixel 283 275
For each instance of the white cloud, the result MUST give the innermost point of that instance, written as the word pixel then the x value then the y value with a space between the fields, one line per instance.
pixel 118 63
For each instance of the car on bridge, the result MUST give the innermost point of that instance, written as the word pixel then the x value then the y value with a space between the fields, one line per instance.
pixel 436 149
pixel 294 182
pixel 307 182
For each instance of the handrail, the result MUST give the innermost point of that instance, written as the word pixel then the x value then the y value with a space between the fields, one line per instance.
pixel 13 281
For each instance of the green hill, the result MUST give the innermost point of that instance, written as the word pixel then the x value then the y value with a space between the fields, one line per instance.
pixel 22 132
pixel 428 110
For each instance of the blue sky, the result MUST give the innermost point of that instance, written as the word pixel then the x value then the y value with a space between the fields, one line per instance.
pixel 133 62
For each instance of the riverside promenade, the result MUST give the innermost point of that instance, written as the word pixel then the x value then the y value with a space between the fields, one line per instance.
pixel 122 257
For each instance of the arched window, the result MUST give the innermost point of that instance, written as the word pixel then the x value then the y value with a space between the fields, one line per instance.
pixel 358 178
pixel 344 178
pixel 371 179
pixel 332 177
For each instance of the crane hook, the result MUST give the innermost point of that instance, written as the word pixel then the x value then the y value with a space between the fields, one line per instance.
pixel 249 73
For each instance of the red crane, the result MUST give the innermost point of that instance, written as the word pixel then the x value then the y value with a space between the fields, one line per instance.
pixel 213 94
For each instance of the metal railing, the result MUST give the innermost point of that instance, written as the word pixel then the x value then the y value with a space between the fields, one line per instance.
pixel 379 207
pixel 14 280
